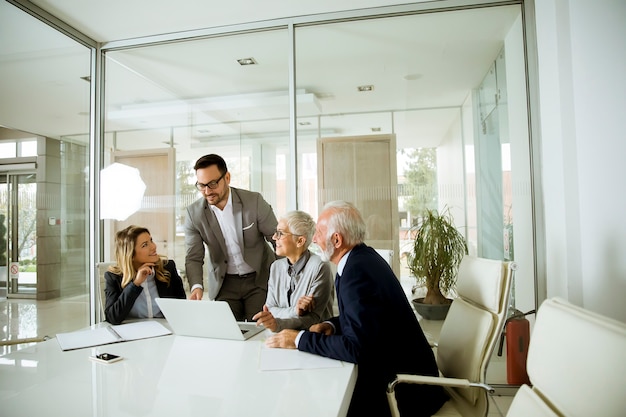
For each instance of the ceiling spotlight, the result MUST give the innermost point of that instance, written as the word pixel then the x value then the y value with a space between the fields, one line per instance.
pixel 304 123
pixel 247 61
pixel 86 78
pixel 365 88
pixel 376 129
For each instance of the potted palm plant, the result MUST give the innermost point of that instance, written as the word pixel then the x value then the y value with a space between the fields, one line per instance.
pixel 434 261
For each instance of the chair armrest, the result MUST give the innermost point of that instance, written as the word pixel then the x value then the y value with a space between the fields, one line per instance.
pixel 427 380
pixel 436 380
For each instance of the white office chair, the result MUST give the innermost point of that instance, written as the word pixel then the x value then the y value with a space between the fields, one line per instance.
pixel 468 337
pixel 576 365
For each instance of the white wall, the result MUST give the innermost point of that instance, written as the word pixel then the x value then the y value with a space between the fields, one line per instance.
pixel 450 174
pixel 581 48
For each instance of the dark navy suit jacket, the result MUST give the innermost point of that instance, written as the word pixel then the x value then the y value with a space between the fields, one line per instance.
pixel 120 301
pixel 377 330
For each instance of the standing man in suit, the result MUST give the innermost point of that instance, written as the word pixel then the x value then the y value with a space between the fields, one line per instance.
pixel 376 327
pixel 236 226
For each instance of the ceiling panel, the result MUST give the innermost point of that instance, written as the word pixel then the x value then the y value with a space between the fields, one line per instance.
pixel 429 61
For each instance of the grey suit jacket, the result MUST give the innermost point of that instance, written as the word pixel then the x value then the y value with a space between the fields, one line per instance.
pixel 255 222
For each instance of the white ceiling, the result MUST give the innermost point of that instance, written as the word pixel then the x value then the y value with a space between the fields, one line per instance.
pixel 113 20
pixel 449 55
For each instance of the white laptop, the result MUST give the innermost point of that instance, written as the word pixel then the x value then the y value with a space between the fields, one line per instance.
pixel 204 318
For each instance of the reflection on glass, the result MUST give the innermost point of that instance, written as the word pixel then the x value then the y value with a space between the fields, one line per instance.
pixel 420 118
pixel 453 82
pixel 28 148
pixel 8 150
pixel 44 96
pixel 433 76
pixel 4 236
pixel 121 191
pixel 18 234
pixel 195 98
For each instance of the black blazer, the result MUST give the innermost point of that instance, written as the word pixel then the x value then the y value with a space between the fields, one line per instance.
pixel 378 330
pixel 120 301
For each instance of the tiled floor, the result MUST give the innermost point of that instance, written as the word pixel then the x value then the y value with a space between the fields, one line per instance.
pixel 27 318
pixel 22 319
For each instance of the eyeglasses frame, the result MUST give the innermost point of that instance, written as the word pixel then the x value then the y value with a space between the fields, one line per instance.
pixel 279 234
pixel 211 184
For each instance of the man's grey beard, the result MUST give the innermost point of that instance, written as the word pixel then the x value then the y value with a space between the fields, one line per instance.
pixel 328 252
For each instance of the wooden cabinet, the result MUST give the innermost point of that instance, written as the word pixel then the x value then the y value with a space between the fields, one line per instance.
pixel 157 169
pixel 362 170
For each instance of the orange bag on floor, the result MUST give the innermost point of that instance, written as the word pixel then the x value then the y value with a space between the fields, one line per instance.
pixel 517 340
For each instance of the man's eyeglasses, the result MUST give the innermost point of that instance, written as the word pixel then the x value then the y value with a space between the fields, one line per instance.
pixel 279 234
pixel 212 185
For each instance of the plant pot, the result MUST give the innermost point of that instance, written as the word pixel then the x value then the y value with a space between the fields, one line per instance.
pixel 431 311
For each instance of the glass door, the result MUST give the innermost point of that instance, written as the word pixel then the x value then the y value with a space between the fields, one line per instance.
pixel 4 246
pixel 18 235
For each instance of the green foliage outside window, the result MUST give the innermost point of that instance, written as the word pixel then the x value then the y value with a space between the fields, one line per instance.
pixel 421 182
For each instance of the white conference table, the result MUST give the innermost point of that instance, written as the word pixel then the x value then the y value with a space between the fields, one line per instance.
pixel 168 376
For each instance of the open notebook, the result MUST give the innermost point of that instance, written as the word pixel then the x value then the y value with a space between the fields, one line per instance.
pixel 204 318
pixel 111 334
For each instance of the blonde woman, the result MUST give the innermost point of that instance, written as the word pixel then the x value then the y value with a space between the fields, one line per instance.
pixel 139 276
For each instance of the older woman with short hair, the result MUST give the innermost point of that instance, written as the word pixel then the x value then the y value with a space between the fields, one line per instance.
pixel 300 290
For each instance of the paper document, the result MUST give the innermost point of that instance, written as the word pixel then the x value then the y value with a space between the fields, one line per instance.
pixel 273 359
pixel 111 334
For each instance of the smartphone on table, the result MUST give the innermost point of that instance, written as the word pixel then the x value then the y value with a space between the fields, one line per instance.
pixel 106 358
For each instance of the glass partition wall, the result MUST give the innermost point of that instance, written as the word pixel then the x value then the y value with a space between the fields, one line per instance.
pixel 451 103
pixel 398 113
pixel 227 95
pixel 44 175
pixel 452 99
